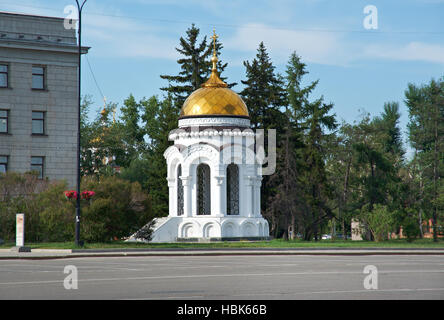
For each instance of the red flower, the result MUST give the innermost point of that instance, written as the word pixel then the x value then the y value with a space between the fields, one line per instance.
pixel 70 194
pixel 87 195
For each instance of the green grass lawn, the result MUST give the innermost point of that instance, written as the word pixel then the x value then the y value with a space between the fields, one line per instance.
pixel 277 243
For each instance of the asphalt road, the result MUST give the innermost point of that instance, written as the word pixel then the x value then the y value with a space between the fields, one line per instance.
pixel 226 277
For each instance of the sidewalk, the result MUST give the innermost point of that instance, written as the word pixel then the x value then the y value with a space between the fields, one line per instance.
pixel 6 254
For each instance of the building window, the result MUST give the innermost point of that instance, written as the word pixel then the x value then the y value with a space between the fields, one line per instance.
pixel 3 164
pixel 4 121
pixel 180 210
pixel 203 190
pixel 232 189
pixel 3 75
pixel 37 165
pixel 38 78
pixel 38 122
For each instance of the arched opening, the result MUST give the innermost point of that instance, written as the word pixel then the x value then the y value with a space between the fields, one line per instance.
pixel 187 231
pixel 248 230
pixel 180 209
pixel 209 230
pixel 232 189
pixel 228 230
pixel 203 190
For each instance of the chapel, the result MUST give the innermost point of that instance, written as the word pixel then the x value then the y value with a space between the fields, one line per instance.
pixel 214 177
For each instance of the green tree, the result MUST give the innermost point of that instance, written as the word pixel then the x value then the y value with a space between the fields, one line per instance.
pixel 103 144
pixel 264 94
pixel 195 66
pixel 118 209
pixel 390 133
pixel 160 118
pixel 285 199
pixel 317 187
pixel 342 175
pixel 371 159
pixel 264 91
pixel 133 132
pixel 302 190
pixel 426 135
pixel 49 216
pixel 379 220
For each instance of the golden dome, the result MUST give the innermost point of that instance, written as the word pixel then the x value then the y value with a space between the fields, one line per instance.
pixel 214 101
pixel 214 98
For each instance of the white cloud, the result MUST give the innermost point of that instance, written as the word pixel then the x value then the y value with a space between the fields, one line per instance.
pixel 312 46
pixel 111 34
pixel 328 48
pixel 121 37
pixel 413 51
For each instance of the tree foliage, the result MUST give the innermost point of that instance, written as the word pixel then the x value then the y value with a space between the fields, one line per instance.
pixel 195 66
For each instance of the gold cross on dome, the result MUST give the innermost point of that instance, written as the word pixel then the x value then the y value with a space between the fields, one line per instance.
pixel 214 37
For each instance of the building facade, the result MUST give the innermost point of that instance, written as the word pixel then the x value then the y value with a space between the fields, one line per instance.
pixel 38 96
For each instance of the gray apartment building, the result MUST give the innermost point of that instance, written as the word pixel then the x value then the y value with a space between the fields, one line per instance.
pixel 38 96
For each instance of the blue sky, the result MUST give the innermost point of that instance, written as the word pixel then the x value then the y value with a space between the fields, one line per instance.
pixel 132 43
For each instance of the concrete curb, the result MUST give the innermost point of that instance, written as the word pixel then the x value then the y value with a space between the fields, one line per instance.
pixel 43 254
pixel 249 249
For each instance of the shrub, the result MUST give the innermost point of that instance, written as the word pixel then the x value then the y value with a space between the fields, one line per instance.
pixel 119 209
pixel 115 208
pixel 410 228
pixel 47 213
pixel 146 232
pixel 380 221
pixel 56 215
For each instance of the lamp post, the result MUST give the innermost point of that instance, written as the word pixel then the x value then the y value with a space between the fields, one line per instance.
pixel 77 240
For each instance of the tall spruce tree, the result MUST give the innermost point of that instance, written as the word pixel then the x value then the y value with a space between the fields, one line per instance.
pixel 389 137
pixel 317 188
pixel 387 126
pixel 302 189
pixel 264 91
pixel 133 133
pixel 285 199
pixel 195 66
pixel 264 95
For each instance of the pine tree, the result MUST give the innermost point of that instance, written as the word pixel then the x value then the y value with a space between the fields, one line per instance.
pixel 264 95
pixel 264 91
pixel 389 137
pixel 302 191
pixel 132 131
pixel 317 188
pixel 390 133
pixel 195 66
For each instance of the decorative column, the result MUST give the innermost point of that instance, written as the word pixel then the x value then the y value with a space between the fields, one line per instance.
pixel 249 188
pixel 172 197
pixel 219 197
pixel 257 196
pixel 186 182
